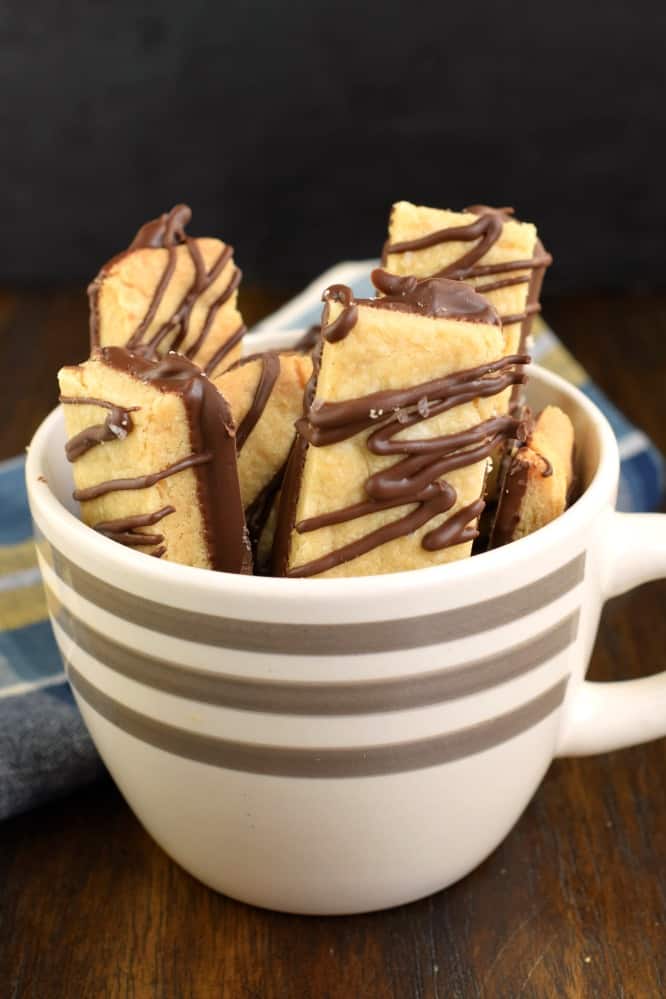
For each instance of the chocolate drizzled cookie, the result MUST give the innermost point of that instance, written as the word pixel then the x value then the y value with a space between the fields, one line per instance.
pixel 388 468
pixel 170 292
pixel 158 473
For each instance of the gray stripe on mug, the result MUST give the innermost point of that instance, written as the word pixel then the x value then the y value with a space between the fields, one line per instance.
pixel 320 762
pixel 308 698
pixel 305 639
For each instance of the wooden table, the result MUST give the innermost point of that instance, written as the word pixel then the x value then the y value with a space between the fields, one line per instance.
pixel 572 904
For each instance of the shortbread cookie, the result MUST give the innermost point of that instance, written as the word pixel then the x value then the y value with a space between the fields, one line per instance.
pixel 536 484
pixel 154 458
pixel 502 258
pixel 170 291
pixel 400 415
pixel 265 393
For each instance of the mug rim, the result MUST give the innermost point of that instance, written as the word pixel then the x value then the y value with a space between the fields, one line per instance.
pixel 73 533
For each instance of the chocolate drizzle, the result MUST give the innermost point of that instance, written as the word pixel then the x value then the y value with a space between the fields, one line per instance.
pixel 330 422
pixel 168 232
pixel 487 229
pixel 415 479
pixel 268 376
pixel 344 324
pixel 225 349
pixel 117 426
pixel 437 298
pixel 141 481
pixel 213 458
pixel 125 531
pixel 512 490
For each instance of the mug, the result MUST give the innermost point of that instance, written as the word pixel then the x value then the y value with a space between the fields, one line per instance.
pixel 343 745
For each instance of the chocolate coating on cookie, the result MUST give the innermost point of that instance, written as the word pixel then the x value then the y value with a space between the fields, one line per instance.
pixel 484 232
pixel 436 298
pixel 416 477
pixel 168 232
pixel 213 457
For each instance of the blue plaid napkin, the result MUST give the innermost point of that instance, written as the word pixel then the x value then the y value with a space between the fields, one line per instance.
pixel 44 748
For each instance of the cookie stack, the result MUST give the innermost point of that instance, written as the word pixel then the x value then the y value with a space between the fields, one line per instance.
pixel 395 437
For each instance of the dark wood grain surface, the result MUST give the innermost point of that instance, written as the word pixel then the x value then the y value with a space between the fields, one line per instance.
pixel 573 904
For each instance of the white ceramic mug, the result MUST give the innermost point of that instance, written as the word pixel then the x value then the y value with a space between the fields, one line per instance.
pixel 343 745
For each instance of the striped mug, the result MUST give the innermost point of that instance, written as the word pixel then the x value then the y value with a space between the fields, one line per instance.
pixel 337 746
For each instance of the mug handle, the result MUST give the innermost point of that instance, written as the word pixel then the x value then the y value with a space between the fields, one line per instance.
pixel 606 716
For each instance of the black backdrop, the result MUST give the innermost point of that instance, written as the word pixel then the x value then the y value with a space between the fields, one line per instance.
pixel 291 126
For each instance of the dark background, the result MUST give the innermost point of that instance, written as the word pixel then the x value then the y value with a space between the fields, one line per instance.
pixel 290 127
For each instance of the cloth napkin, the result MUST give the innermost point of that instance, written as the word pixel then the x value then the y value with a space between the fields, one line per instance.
pixel 45 750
